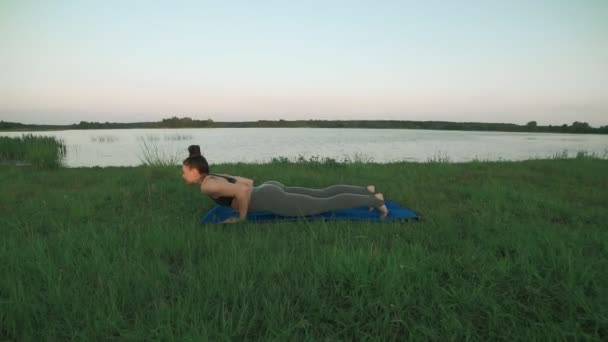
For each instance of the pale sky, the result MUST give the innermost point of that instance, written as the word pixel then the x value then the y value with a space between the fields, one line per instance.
pixel 63 62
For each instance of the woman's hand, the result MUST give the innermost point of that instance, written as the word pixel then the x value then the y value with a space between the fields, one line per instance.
pixel 233 220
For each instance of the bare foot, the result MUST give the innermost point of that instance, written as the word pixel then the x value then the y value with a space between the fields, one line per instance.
pixel 371 189
pixel 383 209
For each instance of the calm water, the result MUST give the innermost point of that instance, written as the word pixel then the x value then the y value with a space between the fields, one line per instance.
pixel 124 147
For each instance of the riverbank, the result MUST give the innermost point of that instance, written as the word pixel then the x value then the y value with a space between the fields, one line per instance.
pixel 504 250
pixel 187 122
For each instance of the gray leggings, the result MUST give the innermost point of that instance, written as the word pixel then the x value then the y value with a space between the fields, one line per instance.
pixel 299 201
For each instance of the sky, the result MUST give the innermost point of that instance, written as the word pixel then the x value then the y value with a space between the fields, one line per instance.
pixel 63 62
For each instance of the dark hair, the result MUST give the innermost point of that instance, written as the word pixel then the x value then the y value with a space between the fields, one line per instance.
pixel 196 160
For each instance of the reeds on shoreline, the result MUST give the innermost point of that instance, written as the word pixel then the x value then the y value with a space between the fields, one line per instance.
pixel 153 155
pixel 33 150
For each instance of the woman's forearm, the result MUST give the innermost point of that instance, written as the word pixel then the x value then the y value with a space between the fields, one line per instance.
pixel 243 200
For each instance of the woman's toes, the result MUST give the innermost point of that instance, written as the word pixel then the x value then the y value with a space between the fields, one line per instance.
pixel 383 209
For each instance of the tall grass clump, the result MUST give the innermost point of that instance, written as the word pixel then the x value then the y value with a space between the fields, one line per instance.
pixel 358 158
pixel 322 161
pixel 107 138
pixel 583 154
pixel 580 154
pixel 178 137
pixel 149 137
pixel 46 152
pixel 152 155
pixel 301 160
pixel 439 158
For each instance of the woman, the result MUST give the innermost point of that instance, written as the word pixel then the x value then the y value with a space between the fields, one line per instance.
pixel 240 194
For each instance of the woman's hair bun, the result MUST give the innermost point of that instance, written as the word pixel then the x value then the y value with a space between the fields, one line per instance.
pixel 195 150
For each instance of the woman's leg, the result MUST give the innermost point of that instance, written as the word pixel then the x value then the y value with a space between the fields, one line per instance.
pixel 329 191
pixel 271 197
pixel 274 182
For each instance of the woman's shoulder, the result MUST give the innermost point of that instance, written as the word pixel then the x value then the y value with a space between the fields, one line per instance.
pixel 229 178
pixel 235 179
pixel 216 188
pixel 211 185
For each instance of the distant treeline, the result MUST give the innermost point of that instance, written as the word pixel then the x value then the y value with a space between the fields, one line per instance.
pixel 186 122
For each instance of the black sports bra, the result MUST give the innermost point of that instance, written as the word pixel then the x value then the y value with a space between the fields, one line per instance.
pixel 224 200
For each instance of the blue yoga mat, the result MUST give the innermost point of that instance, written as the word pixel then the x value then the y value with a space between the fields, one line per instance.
pixel 395 212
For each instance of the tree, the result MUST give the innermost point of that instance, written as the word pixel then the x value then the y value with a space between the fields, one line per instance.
pixel 579 127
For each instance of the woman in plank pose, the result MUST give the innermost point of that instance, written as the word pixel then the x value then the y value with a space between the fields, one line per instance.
pixel 240 194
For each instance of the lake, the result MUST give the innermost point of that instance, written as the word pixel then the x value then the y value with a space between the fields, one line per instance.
pixel 124 147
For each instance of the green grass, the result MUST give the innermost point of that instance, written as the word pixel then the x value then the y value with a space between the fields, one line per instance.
pixel 153 155
pixel 39 151
pixel 504 251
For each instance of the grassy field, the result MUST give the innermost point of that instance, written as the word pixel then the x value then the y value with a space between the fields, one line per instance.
pixel 504 250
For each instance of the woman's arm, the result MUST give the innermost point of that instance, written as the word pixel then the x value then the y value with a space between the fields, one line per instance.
pixel 241 192
pixel 243 197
